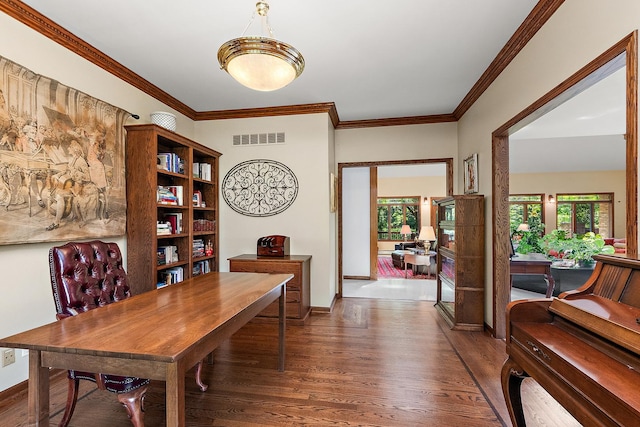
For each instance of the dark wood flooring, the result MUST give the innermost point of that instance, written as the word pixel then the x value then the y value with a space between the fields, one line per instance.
pixel 369 363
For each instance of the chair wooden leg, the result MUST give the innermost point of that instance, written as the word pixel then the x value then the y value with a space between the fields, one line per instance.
pixel 203 386
pixel 72 398
pixel 134 403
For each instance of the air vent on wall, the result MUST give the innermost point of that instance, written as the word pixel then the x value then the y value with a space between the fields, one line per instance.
pixel 258 139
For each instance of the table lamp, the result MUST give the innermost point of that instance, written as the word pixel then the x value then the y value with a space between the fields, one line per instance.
pixel 427 234
pixel 405 230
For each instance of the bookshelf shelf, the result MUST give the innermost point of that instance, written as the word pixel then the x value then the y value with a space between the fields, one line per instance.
pixel 157 157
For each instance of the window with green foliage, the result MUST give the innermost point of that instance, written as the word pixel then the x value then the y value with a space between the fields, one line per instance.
pixel 393 212
pixel 580 213
pixel 522 207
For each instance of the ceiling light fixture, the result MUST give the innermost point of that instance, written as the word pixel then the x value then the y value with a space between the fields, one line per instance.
pixel 260 62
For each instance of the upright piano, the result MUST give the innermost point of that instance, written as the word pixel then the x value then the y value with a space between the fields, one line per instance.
pixel 582 347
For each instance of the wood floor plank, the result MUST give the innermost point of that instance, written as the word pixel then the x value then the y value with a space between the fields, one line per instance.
pixel 368 363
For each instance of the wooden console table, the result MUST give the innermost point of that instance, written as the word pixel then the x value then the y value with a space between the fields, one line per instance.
pixel 138 336
pixel 533 264
pixel 298 288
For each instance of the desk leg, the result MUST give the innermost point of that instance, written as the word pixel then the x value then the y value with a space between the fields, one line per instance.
pixel 175 394
pixel 38 390
pixel 282 323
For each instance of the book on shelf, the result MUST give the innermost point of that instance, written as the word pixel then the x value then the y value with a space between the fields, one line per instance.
pixel 170 253
pixel 175 219
pixel 202 171
pixel 201 267
pixel 170 276
pixel 162 259
pixel 197 199
pixel 170 162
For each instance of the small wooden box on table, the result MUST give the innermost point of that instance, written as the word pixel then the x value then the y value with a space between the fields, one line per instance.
pixel 298 288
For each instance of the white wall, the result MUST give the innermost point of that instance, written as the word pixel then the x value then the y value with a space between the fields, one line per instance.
pixel 308 222
pixel 356 222
pixel 575 35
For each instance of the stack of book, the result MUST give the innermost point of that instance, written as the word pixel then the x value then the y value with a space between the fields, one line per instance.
pixel 163 228
pixel 170 195
pixel 198 247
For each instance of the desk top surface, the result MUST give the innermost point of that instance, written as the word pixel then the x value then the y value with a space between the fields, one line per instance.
pixel 160 325
pixel 532 257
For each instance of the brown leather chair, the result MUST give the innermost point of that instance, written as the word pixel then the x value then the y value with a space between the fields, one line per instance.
pixel 85 276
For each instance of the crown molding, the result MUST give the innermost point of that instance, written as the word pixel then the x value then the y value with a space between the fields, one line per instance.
pixel 285 110
pixel 397 121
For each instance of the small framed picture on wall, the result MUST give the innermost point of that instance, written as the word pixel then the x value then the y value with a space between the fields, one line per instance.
pixel 471 174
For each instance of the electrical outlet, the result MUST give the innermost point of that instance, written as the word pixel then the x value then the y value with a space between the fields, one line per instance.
pixel 8 357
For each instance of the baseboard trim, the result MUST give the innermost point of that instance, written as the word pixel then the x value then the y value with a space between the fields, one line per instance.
pixel 22 388
pixel 357 277
pixel 325 310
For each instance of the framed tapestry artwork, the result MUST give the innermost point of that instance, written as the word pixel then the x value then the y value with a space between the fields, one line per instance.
pixel 471 174
pixel 61 161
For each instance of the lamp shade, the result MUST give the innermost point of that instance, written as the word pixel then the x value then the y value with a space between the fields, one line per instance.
pixel 427 234
pixel 523 227
pixel 261 63
pixel 405 229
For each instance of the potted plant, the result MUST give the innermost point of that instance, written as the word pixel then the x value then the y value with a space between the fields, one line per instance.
pixel 579 249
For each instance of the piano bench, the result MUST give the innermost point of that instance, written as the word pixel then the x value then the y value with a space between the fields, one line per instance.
pixel 593 382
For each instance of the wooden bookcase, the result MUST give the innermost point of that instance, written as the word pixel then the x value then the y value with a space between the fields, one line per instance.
pixel 460 260
pixel 144 174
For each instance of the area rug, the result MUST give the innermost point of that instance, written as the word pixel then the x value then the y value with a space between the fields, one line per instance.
pixel 387 269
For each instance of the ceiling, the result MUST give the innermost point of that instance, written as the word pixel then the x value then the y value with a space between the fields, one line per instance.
pixel 373 60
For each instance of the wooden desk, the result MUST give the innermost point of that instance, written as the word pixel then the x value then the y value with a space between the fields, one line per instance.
pixel 158 335
pixel 533 264
pixel 415 260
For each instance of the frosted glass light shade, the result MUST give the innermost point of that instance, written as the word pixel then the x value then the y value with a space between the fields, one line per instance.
pixel 261 63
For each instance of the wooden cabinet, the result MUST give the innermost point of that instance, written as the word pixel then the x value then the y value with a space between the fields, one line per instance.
pixel 460 260
pixel 298 288
pixel 157 157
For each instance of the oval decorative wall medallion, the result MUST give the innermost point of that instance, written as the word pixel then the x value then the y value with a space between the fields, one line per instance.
pixel 259 187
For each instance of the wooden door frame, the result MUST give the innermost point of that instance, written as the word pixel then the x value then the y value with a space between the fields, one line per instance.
pixel 585 77
pixel 373 195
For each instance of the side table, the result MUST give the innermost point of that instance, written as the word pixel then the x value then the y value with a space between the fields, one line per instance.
pixel 298 288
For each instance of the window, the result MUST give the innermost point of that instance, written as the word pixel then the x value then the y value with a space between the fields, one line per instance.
pixel 523 207
pixel 393 212
pixel 581 213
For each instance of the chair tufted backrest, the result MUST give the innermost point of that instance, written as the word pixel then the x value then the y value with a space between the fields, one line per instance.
pixel 86 275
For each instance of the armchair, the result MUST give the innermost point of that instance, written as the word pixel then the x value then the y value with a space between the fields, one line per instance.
pixel 85 276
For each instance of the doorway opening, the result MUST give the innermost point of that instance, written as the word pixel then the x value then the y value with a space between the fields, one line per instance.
pixel 366 245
